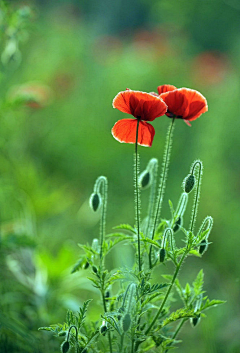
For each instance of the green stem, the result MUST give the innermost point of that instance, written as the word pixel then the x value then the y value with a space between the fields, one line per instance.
pixel 122 341
pixel 105 310
pixel 167 294
pixel 177 331
pixel 196 201
pixel 166 159
pixel 152 196
pixel 137 196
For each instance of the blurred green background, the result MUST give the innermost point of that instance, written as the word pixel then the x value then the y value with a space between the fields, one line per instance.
pixel 62 63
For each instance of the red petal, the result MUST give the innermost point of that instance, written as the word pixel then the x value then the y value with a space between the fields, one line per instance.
pixel 125 131
pixel 176 101
pixel 197 103
pixel 165 88
pixel 140 104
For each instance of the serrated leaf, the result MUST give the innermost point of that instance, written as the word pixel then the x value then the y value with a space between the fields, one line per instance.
pixel 46 329
pixel 150 297
pixel 195 253
pixel 198 283
pixel 126 227
pixel 78 266
pixel 178 314
pixel 209 304
pixel 168 277
pixel 202 235
pixel 95 282
pixel 150 241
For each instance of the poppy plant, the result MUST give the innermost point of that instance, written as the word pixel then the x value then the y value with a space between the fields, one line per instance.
pixel 144 107
pixel 183 103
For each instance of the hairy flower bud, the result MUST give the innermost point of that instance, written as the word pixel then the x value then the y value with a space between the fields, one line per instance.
pixel 95 201
pixel 126 322
pixel 94 268
pixel 177 224
pixel 189 183
pixel 144 179
pixel 162 255
pixel 65 347
pixel 203 246
pixel 195 320
pixel 103 328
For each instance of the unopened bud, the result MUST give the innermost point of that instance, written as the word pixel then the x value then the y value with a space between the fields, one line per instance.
pixel 65 347
pixel 162 255
pixel 177 224
pixel 195 320
pixel 107 294
pixel 126 322
pixel 144 179
pixel 94 268
pixel 203 246
pixel 95 201
pixel 103 328
pixel 189 183
pixel 86 265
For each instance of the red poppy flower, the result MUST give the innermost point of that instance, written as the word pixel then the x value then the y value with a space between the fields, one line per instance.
pixel 144 107
pixel 183 103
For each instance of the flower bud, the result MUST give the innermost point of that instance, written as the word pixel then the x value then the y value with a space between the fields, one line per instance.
pixel 195 320
pixel 94 268
pixel 95 201
pixel 203 246
pixel 177 224
pixel 65 347
pixel 103 328
pixel 86 265
pixel 107 294
pixel 144 179
pixel 189 183
pixel 162 255
pixel 126 322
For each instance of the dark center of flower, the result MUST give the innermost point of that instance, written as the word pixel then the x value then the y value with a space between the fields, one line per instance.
pixel 171 115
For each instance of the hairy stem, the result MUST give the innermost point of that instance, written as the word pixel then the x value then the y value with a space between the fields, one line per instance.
pixel 197 194
pixel 176 332
pixel 137 198
pixel 166 159
pixel 167 294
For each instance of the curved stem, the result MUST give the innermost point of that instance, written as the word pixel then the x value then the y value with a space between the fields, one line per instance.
pixel 137 196
pixel 195 207
pixel 166 159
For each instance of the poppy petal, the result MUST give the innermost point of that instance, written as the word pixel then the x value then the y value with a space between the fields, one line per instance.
pixel 125 131
pixel 140 104
pixel 197 103
pixel 165 88
pixel 176 101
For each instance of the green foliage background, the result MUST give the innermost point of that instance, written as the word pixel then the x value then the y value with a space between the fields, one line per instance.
pixel 85 52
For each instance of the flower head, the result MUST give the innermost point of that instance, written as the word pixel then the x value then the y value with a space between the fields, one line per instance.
pixel 183 103
pixel 144 107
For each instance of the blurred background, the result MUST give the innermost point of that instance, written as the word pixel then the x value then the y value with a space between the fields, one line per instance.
pixel 62 63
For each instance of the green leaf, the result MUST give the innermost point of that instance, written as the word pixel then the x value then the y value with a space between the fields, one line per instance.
pixel 150 241
pixel 209 304
pixel 198 283
pixel 126 227
pixel 96 284
pixel 179 314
